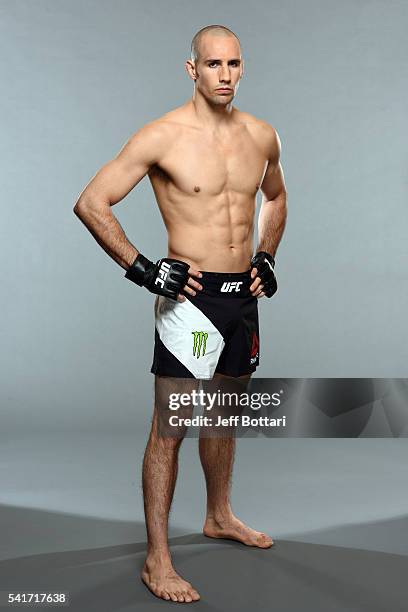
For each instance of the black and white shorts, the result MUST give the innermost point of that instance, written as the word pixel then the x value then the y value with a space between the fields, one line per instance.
pixel 215 331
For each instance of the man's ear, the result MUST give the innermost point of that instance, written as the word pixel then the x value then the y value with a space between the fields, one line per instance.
pixel 190 67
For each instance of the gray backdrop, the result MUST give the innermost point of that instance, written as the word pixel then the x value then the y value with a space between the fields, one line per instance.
pixel 78 78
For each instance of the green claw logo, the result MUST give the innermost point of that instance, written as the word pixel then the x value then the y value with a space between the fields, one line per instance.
pixel 200 343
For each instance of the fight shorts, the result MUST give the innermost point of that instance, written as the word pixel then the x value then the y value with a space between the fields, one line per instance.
pixel 214 331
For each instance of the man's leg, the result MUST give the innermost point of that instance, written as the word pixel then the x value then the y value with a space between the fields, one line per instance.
pixel 160 467
pixel 217 458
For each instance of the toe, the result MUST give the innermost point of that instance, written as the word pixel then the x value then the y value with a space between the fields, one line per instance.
pixel 265 539
pixel 155 589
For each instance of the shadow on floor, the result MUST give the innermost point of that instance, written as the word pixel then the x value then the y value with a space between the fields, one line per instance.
pixel 289 577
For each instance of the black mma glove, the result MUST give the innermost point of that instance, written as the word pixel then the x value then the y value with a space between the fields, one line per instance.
pixel 165 277
pixel 265 263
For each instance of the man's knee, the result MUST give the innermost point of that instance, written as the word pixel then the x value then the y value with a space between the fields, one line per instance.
pixel 174 405
pixel 165 441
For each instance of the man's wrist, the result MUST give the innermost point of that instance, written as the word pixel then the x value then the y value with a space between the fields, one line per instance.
pixel 166 277
pixel 137 270
pixel 264 264
pixel 267 255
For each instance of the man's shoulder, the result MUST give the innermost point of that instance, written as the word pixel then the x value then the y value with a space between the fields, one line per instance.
pixel 162 127
pixel 157 134
pixel 262 131
pixel 171 122
pixel 255 123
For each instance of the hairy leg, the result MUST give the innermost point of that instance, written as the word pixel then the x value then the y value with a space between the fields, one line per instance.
pixel 160 466
pixel 217 447
pixel 217 459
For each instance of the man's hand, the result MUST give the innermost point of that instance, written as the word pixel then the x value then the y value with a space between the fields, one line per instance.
pixel 192 286
pixel 262 265
pixel 167 277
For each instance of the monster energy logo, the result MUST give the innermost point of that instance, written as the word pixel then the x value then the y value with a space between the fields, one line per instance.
pixel 200 343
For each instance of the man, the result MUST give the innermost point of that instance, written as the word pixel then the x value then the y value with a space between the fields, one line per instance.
pixel 206 161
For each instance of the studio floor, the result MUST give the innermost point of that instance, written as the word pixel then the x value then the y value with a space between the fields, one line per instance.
pixel 72 520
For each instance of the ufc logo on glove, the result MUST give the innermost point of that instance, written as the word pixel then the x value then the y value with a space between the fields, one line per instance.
pixel 163 272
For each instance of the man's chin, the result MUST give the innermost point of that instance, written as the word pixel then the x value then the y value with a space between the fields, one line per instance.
pixel 223 99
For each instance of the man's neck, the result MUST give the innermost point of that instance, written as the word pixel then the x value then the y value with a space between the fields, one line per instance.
pixel 214 116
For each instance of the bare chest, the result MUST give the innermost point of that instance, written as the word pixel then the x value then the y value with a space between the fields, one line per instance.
pixel 212 164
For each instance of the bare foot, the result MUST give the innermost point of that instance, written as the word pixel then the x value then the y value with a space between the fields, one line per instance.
pixel 234 529
pixel 164 582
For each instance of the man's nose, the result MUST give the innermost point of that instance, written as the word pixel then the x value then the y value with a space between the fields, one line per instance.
pixel 225 74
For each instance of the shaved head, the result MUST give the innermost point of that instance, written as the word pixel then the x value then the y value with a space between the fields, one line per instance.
pixel 214 30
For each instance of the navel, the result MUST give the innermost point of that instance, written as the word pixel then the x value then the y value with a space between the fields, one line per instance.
pixel 196 189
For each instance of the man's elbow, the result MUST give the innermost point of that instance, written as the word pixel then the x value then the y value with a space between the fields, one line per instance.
pixel 82 208
pixel 77 208
pixel 281 199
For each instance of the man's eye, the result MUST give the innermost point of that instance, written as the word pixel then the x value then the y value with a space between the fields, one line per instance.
pixel 216 64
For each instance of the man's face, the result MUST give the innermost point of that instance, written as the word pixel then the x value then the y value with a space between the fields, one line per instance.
pixel 219 66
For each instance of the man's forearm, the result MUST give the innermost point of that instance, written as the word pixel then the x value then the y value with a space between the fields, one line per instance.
pixel 271 224
pixel 107 231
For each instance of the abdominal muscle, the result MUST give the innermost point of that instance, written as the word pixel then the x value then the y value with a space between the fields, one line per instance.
pixel 223 258
pixel 217 237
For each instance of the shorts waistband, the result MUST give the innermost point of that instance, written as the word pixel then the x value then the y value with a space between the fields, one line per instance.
pixel 226 284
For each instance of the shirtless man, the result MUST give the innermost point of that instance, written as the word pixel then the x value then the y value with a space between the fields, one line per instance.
pixel 206 161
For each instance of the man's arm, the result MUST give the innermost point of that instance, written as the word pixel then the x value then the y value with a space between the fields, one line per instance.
pixel 168 277
pixel 271 222
pixel 112 183
pixel 273 212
